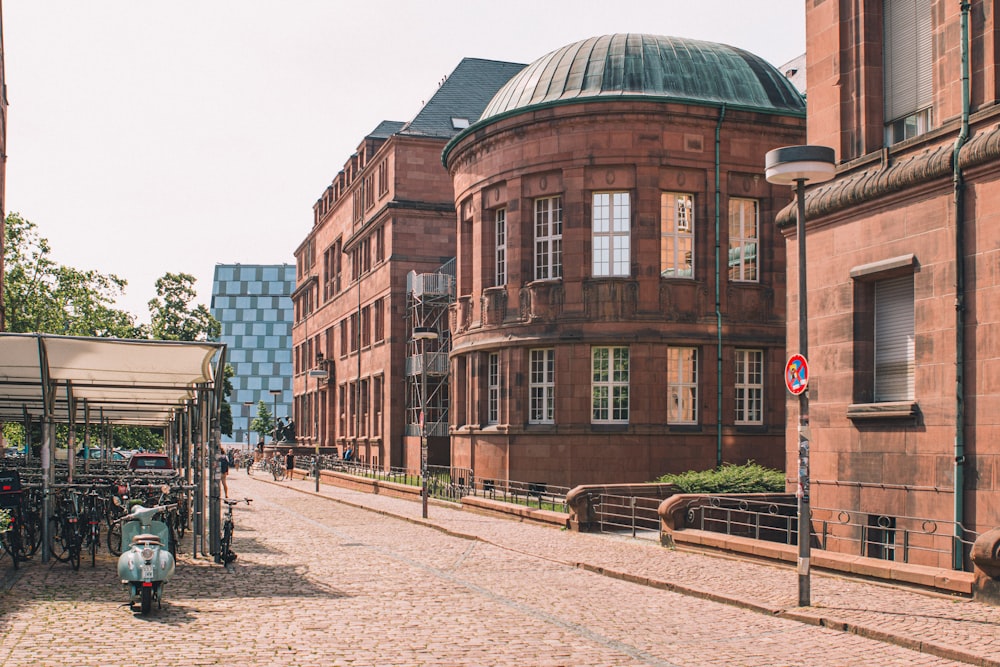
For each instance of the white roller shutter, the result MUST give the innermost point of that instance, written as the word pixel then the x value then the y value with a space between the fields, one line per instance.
pixel 908 73
pixel 894 349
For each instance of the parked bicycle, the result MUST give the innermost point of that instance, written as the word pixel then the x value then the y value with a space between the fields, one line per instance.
pixel 226 553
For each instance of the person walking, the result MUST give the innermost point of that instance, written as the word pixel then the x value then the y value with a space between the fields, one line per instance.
pixel 224 472
pixel 289 463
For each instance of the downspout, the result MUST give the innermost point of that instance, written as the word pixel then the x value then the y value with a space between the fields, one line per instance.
pixel 718 297
pixel 958 552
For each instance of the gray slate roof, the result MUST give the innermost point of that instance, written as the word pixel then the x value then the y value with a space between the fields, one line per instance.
pixel 464 94
pixel 386 129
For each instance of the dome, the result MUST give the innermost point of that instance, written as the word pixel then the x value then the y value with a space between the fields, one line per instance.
pixel 649 67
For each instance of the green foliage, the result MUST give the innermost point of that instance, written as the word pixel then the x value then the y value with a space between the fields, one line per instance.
pixel 136 437
pixel 748 478
pixel 41 296
pixel 171 315
pixel 226 413
pixel 263 423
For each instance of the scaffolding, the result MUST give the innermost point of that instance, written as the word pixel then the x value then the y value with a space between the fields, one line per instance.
pixel 428 297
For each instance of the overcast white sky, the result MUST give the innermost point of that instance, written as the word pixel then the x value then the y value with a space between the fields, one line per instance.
pixel 148 136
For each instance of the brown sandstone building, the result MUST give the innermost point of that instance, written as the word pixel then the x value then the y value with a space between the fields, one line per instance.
pixel 388 212
pixel 903 275
pixel 621 300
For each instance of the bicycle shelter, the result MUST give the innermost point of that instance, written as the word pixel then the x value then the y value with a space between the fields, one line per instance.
pixel 174 385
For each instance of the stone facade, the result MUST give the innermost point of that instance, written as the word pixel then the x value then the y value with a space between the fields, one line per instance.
pixel 890 464
pixel 643 148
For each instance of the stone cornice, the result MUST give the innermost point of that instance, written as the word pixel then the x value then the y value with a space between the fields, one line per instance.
pixel 879 180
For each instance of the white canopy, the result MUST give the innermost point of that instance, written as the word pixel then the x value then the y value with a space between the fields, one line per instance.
pixel 133 382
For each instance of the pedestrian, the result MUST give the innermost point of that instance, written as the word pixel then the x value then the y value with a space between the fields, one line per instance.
pixel 224 472
pixel 289 463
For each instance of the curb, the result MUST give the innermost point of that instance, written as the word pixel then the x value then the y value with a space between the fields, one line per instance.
pixel 792 614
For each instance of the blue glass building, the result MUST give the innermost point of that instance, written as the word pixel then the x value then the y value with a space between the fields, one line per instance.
pixel 253 303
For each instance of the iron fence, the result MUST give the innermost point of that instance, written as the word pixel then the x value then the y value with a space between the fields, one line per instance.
pixel 887 537
pixel 619 514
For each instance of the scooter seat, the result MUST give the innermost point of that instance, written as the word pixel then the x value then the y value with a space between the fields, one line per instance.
pixel 146 538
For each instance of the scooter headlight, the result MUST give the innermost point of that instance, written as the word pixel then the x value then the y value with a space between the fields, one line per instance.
pixel 147 553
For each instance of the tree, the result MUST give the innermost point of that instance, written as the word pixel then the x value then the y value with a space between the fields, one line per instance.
pixel 42 296
pixel 226 415
pixel 263 423
pixel 171 314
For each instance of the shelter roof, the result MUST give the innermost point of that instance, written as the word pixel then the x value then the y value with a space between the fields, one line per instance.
pixel 131 382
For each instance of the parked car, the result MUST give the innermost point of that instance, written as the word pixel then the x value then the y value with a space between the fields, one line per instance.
pixel 147 461
pixel 97 453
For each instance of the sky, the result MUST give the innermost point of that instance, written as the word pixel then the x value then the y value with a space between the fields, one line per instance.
pixel 155 136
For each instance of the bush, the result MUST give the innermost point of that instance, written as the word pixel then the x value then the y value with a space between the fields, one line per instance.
pixel 748 478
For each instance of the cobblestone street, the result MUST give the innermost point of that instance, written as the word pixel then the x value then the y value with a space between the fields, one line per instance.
pixel 322 582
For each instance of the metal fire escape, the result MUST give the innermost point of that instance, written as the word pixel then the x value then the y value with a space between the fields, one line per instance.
pixel 428 296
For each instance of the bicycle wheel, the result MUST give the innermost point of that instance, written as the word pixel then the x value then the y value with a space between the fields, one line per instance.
pixel 58 539
pixel 8 545
pixel 115 538
pixel 95 536
pixel 226 547
pixel 75 548
pixel 31 534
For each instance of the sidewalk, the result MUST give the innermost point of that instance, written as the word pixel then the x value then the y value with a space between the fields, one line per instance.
pixel 947 627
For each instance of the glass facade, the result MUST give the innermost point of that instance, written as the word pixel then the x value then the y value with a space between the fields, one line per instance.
pixel 254 305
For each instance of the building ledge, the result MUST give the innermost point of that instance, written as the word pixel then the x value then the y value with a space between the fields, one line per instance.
pixel 887 410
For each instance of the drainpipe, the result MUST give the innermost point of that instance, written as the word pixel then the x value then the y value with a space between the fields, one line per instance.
pixel 958 552
pixel 718 298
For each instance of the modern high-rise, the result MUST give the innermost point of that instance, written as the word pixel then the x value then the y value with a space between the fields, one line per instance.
pixel 253 303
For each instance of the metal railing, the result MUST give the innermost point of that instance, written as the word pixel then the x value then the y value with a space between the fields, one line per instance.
pixel 635 514
pixel 886 537
pixel 530 494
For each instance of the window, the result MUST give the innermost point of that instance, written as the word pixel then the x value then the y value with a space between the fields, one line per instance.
pixel 548 238
pixel 894 348
pixel 682 385
pixel 493 389
pixel 612 216
pixel 355 333
pixel 743 240
pixel 542 386
pixel 501 248
pixel 379 244
pixel 342 409
pixel 378 312
pixel 343 337
pixel 363 398
pixel 331 270
pixel 609 385
pixel 377 406
pixel 749 386
pixel 907 67
pixel 383 178
pixel 366 330
pixel 676 235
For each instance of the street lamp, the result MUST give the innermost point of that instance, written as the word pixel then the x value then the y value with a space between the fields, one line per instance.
pixel 319 374
pixel 797 165
pixel 275 393
pixel 423 334
pixel 248 405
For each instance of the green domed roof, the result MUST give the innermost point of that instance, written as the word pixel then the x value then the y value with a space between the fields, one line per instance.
pixel 648 66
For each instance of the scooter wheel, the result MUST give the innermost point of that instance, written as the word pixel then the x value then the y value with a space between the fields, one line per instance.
pixel 145 600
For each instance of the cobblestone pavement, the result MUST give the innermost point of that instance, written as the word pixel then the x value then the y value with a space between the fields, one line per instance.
pixel 328 581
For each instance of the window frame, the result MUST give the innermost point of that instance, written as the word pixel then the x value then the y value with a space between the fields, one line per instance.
pixel 548 223
pixel 679 386
pixel 748 386
pixel 500 247
pixel 611 234
pixel 541 385
pixel 675 241
pixel 743 246
pixel 493 388
pixel 609 393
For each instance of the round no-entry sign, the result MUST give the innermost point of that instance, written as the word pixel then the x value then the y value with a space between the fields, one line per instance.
pixel 797 374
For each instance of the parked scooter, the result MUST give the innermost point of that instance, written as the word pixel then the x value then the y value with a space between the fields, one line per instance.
pixel 146 563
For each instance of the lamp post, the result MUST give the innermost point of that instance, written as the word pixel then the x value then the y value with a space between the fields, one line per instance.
pixel 423 334
pixel 797 165
pixel 319 374
pixel 275 393
pixel 248 405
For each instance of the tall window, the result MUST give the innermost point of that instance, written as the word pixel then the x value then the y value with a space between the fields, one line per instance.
pixel 743 241
pixel 377 405
pixel 612 215
pixel 493 389
pixel 907 67
pixel 609 385
pixel 548 238
pixel 894 346
pixel 682 385
pixel 378 315
pixel 366 329
pixel 542 386
pixel 749 386
pixel 500 278
pixel 676 235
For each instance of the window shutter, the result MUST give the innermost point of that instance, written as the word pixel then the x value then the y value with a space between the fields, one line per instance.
pixel 894 349
pixel 908 73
